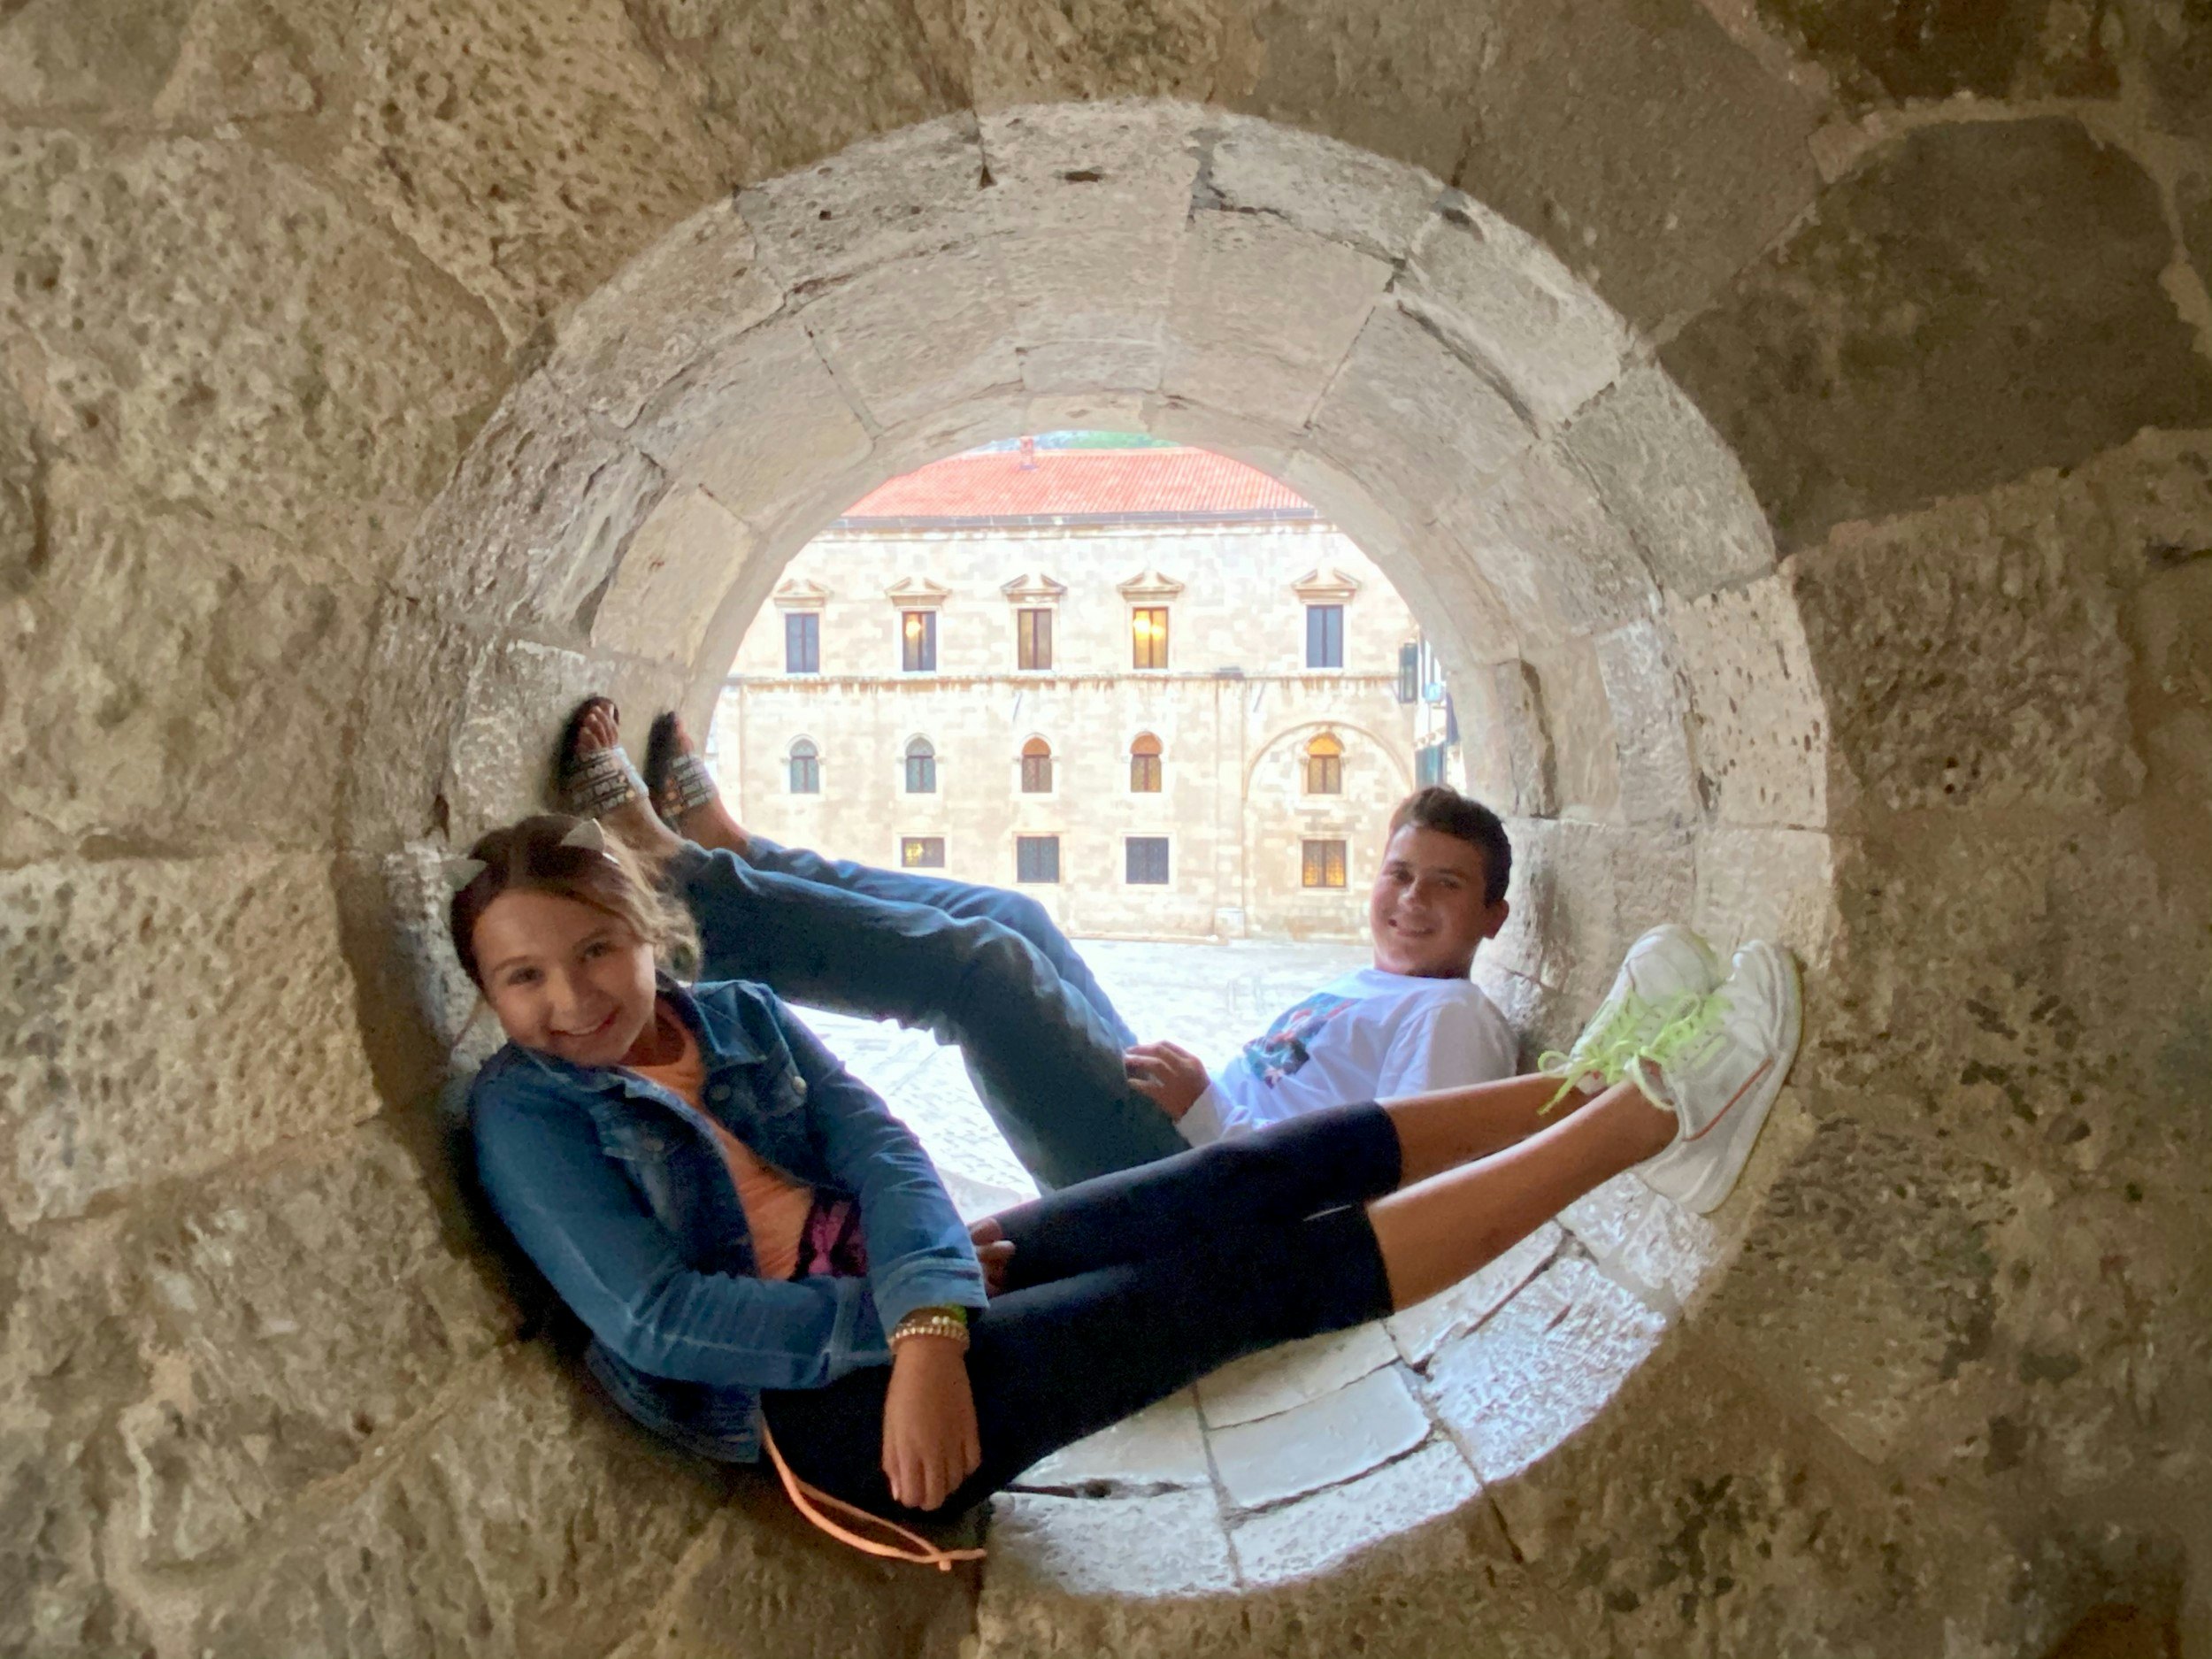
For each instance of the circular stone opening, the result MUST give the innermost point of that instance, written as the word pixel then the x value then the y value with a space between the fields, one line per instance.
pixel 1634 689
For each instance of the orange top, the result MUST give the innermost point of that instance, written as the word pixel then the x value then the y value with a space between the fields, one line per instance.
pixel 776 1207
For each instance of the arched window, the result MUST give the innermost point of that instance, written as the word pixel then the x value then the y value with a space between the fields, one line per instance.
pixel 806 768
pixel 1325 765
pixel 1036 767
pixel 921 767
pixel 1144 765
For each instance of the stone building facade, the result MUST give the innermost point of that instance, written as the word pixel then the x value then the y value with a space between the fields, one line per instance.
pixel 947 680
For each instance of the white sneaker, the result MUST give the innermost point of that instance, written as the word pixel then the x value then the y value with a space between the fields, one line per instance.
pixel 1720 1066
pixel 1666 973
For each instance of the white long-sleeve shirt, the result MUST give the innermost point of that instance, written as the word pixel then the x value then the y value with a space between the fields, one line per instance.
pixel 1369 1036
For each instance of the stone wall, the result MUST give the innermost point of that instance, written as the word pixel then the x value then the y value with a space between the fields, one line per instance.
pixel 371 375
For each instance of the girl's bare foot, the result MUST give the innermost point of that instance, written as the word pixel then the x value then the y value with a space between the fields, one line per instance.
pixel 707 823
pixel 633 820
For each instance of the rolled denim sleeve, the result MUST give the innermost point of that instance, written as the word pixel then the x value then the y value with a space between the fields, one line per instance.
pixel 918 1253
pixel 575 1215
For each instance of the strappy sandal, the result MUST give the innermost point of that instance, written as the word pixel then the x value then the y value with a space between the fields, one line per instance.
pixel 595 784
pixel 675 781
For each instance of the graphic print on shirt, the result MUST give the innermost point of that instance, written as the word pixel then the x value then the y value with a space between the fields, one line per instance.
pixel 1289 1041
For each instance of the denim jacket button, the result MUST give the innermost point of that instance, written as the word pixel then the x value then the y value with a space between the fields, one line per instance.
pixel 798 1086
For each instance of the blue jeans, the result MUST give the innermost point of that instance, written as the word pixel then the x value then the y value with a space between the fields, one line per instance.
pixel 976 966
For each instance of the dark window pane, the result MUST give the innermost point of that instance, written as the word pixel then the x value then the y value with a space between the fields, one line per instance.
pixel 806 772
pixel 1036 774
pixel 921 774
pixel 1428 763
pixel 1325 636
pixel 1036 858
pixel 921 852
pixel 917 641
pixel 1147 857
pixel 1322 863
pixel 1409 671
pixel 1144 774
pixel 1033 639
pixel 802 643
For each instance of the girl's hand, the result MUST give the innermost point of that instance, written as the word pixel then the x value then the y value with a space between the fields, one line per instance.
pixel 1167 1074
pixel 930 1443
pixel 993 1253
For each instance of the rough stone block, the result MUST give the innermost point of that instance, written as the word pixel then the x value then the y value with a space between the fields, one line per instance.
pixel 1578 740
pixel 895 197
pixel 172 1015
pixel 292 1325
pixel 1318 1535
pixel 1326 1440
pixel 1559 561
pixel 527 153
pixel 1418 426
pixel 1319 184
pixel 1655 157
pixel 1968 659
pixel 523 1518
pixel 1663 472
pixel 706 430
pixel 310 379
pixel 1649 695
pixel 1098 1575
pixel 1144 49
pixel 1505 739
pixel 1279 1378
pixel 1760 712
pixel 1866 1285
pixel 1426 1326
pixel 777 86
pixel 1067 369
pixel 1768 884
pixel 916 337
pixel 536 519
pixel 683 303
pixel 1127 168
pixel 1876 55
pixel 1162 1446
pixel 57 57
pixel 248 59
pixel 679 563
pixel 1498 295
pixel 414 689
pixel 1264 314
pixel 167 683
pixel 1544 1365
pixel 1853 369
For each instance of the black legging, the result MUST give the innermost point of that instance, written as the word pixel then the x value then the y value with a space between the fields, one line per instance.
pixel 1125 1289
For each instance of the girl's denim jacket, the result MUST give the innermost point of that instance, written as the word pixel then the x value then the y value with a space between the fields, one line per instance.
pixel 615 1189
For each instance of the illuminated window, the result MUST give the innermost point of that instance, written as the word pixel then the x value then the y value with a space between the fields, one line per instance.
pixel 806 768
pixel 921 852
pixel 921 767
pixel 1036 858
pixel 802 643
pixel 1325 765
pixel 1144 765
pixel 1322 865
pixel 1036 767
pixel 917 641
pixel 1033 639
pixel 1325 636
pixel 1147 636
pixel 1147 857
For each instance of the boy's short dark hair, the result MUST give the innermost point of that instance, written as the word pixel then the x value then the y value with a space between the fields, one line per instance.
pixel 1447 812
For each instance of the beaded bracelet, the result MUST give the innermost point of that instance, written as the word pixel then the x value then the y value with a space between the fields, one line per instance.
pixel 949 1323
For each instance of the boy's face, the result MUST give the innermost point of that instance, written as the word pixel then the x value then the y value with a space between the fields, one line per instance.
pixel 1426 911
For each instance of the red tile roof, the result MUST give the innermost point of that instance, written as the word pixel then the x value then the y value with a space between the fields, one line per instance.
pixel 1081 486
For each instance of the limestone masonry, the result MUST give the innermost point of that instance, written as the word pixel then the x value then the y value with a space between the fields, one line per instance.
pixel 1790 424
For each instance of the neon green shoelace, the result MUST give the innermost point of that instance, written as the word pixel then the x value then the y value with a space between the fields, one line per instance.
pixel 1604 1050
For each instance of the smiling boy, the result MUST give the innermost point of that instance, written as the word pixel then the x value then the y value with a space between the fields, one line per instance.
pixel 1410 1022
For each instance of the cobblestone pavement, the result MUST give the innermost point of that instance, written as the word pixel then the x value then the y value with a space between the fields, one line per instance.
pixel 1211 998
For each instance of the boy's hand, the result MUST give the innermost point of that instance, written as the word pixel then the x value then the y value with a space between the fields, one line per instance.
pixel 1167 1074
pixel 930 1443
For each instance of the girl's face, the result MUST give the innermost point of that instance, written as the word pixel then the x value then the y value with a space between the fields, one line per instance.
pixel 565 977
